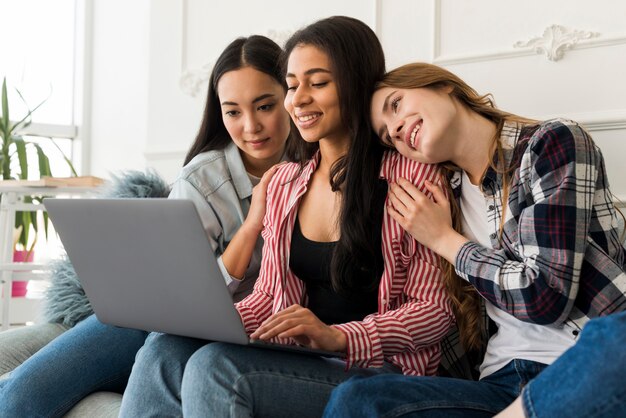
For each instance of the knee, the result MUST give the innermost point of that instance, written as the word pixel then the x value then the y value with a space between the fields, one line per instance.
pixel 206 361
pixel 349 399
pixel 611 330
pixel 159 350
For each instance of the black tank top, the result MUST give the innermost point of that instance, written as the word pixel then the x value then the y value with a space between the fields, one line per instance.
pixel 310 262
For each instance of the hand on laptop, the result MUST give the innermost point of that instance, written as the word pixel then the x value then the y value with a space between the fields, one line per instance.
pixel 304 327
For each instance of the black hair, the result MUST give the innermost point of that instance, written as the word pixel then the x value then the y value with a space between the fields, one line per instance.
pixel 357 63
pixel 257 52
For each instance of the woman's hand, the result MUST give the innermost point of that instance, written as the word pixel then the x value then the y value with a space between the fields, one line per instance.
pixel 304 327
pixel 254 220
pixel 428 221
pixel 237 255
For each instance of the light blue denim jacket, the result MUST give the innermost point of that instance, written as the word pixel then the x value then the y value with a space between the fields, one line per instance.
pixel 220 188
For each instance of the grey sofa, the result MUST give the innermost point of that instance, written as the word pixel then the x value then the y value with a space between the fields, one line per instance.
pixel 19 344
pixel 66 303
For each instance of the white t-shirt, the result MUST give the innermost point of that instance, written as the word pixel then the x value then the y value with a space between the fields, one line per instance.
pixel 515 339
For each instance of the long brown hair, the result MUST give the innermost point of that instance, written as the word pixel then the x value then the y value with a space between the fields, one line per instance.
pixel 465 299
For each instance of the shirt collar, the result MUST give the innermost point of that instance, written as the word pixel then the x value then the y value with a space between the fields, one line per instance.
pixel 242 182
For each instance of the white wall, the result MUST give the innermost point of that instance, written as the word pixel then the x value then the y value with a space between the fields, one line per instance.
pixel 119 94
pixel 150 58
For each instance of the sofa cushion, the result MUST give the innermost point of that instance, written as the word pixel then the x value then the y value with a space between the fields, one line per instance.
pixel 17 345
pixel 99 404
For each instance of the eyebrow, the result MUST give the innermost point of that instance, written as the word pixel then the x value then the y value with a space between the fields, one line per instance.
pixel 257 99
pixel 386 102
pixel 311 71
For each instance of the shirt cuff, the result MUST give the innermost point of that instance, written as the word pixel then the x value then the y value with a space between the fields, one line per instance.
pixel 463 259
pixel 231 282
pixel 363 345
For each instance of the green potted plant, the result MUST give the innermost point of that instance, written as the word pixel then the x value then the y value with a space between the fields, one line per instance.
pixel 14 165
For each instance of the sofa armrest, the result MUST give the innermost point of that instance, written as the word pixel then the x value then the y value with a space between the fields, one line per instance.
pixel 17 345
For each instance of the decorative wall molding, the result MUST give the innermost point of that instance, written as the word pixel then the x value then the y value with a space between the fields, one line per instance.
pixel 556 39
pixel 516 50
pixel 378 18
pixel 609 120
pixel 194 81
pixel 607 124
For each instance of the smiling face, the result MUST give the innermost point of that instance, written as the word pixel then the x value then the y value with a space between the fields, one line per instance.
pixel 312 98
pixel 418 123
pixel 253 116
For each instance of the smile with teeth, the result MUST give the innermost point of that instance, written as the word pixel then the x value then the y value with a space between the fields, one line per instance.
pixel 307 119
pixel 414 134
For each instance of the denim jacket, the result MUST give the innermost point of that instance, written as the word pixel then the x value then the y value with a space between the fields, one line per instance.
pixel 218 185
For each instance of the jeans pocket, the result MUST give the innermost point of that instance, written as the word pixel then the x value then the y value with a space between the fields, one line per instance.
pixel 526 371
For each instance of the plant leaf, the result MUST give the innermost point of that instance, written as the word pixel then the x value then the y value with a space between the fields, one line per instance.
pixel 67 160
pixel 23 218
pixel 46 222
pixel 44 162
pixel 5 106
pixel 22 157
pixel 24 123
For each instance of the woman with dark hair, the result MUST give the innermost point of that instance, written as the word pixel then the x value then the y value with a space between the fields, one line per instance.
pixel 540 242
pixel 337 273
pixel 244 133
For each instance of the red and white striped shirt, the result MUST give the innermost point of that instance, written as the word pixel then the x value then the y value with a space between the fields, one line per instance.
pixel 414 311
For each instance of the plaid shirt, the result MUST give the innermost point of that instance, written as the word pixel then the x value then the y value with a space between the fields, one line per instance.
pixel 559 260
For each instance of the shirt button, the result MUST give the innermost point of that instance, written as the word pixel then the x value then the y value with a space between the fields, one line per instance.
pixel 575 332
pixel 491 207
pixel 493 236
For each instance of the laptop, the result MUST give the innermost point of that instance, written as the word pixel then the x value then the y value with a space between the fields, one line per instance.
pixel 148 264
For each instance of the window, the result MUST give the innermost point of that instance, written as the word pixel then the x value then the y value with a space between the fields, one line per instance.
pixel 43 57
pixel 40 39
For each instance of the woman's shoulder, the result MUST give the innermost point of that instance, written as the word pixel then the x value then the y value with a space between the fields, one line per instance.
pixel 395 165
pixel 207 171
pixel 291 175
pixel 287 169
pixel 208 160
pixel 557 128
pixel 558 135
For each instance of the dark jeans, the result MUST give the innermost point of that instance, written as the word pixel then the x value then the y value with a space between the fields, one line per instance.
pixel 402 396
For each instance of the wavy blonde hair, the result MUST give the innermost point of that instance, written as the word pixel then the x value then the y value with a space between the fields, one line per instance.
pixel 466 301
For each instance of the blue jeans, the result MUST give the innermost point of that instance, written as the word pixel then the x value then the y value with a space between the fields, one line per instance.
pixel 588 379
pixel 174 377
pixel 155 382
pixel 426 397
pixel 87 358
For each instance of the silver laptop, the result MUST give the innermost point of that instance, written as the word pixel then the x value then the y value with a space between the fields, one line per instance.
pixel 148 264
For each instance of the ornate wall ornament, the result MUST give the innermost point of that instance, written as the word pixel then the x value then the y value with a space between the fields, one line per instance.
pixel 194 82
pixel 556 39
